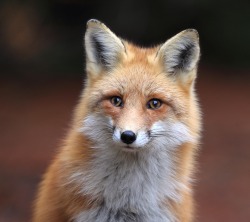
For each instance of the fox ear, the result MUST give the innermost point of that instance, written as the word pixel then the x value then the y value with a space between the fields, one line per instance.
pixel 103 48
pixel 181 53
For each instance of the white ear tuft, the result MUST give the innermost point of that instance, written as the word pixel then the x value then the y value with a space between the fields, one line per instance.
pixel 181 53
pixel 103 47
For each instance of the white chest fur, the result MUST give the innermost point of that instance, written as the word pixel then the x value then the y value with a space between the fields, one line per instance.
pixel 131 186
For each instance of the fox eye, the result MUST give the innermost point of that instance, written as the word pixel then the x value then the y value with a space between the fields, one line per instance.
pixel 154 104
pixel 116 101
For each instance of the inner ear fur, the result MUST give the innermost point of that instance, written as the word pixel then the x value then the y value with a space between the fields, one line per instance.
pixel 103 48
pixel 181 53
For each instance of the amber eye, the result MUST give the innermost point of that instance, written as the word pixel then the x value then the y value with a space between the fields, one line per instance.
pixel 154 104
pixel 116 101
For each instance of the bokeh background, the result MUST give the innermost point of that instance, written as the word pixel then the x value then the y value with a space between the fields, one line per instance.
pixel 41 76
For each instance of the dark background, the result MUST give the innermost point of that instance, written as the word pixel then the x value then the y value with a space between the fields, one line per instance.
pixel 41 76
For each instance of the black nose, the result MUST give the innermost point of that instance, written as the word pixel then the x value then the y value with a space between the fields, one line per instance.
pixel 128 137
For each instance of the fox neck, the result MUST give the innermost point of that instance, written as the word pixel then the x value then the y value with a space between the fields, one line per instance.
pixel 140 182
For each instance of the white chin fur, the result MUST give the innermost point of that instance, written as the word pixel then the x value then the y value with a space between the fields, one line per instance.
pixel 163 134
pixel 136 182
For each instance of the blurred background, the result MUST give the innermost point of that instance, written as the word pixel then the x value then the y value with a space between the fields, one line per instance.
pixel 41 76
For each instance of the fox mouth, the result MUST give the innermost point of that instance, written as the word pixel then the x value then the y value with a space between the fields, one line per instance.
pixel 132 148
pixel 129 148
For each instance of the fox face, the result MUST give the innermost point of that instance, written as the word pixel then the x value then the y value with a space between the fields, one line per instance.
pixel 138 99
pixel 130 152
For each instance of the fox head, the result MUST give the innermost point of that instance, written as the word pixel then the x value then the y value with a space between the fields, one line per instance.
pixel 139 98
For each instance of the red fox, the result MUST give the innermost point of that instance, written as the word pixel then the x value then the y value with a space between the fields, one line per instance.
pixel 130 153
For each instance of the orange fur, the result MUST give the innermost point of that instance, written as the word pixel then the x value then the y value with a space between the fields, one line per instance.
pixel 144 79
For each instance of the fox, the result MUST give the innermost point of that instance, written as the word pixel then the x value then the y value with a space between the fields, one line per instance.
pixel 130 151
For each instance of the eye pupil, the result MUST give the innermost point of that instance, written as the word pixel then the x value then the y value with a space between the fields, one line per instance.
pixel 154 104
pixel 116 101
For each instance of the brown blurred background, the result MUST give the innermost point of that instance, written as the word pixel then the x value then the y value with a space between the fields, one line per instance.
pixel 42 70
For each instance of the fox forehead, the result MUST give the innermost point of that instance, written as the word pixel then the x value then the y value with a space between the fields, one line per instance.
pixel 136 80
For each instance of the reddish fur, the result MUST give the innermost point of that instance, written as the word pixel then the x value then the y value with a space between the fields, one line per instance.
pixel 57 204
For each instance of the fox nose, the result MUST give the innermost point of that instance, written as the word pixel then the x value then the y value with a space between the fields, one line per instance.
pixel 128 137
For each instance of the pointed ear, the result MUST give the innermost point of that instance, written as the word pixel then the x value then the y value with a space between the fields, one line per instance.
pixel 103 48
pixel 180 54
